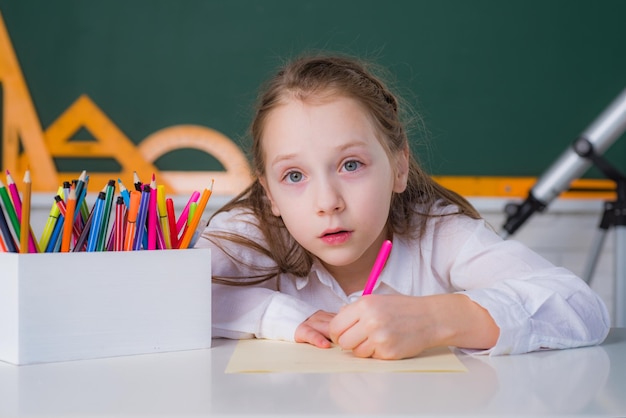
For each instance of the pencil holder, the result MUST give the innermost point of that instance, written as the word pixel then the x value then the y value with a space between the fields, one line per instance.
pixel 72 306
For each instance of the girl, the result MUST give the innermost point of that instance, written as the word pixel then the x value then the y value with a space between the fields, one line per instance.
pixel 335 178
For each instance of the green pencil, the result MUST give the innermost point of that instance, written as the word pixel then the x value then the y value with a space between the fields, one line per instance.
pixel 8 206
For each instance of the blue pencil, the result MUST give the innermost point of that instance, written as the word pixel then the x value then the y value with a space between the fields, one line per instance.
pixel 54 237
pixel 125 193
pixel 94 232
pixel 141 218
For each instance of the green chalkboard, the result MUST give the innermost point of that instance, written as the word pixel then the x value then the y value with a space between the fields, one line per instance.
pixel 503 86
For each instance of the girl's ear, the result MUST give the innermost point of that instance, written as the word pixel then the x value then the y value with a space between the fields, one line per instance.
pixel 275 210
pixel 402 170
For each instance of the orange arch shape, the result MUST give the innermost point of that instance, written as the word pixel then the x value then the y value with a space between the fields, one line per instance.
pixel 233 180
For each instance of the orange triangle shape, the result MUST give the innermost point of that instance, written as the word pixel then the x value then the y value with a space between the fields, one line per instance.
pixel 110 141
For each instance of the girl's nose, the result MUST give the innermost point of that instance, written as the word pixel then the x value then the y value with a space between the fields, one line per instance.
pixel 328 199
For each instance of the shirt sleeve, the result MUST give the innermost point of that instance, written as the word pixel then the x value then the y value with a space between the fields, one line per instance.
pixel 535 304
pixel 247 311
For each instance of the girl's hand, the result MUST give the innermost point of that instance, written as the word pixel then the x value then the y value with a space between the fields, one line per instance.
pixel 315 330
pixel 398 326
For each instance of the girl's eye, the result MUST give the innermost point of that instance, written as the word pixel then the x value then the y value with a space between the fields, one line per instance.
pixel 351 165
pixel 294 177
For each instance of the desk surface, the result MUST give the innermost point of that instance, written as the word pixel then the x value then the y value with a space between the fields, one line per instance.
pixel 583 381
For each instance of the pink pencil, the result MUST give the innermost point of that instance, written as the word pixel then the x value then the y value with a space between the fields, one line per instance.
pixel 184 214
pixel 381 259
pixel 17 204
pixel 152 216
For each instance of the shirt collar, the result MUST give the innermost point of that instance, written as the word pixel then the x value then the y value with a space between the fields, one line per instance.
pixel 397 274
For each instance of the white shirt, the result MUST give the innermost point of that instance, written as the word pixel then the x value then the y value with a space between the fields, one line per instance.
pixel 535 304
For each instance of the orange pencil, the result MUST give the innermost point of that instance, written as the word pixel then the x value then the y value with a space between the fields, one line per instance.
pixel 186 239
pixel 25 219
pixel 131 222
pixel 69 221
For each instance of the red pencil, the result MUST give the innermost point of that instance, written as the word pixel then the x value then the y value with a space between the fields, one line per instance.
pixel 118 243
pixel 171 219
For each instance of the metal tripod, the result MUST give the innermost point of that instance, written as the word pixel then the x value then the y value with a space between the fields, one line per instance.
pixel 614 216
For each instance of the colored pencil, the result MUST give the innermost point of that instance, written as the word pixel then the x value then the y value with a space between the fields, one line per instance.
pixel 142 216
pixel 162 209
pixel 25 218
pixel 96 223
pixel 124 192
pixel 81 202
pixel 53 217
pixel 81 241
pixel 66 190
pixel 183 215
pixel 10 209
pixel 62 210
pixel 137 182
pixel 106 215
pixel 131 220
pixel 381 259
pixel 17 205
pixel 56 233
pixel 204 199
pixel 5 234
pixel 192 210
pixel 120 209
pixel 152 216
pixel 171 220
pixel 66 238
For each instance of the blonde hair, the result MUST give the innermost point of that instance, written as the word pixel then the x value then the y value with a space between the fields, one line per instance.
pixel 320 76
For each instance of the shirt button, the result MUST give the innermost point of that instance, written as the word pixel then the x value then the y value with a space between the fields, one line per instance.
pixel 353 297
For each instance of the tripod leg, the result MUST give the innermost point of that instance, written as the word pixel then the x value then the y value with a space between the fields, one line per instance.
pixel 620 276
pixel 594 254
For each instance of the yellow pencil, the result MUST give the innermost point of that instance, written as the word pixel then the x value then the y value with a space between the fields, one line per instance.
pixel 25 222
pixel 186 239
pixel 163 215
pixel 53 216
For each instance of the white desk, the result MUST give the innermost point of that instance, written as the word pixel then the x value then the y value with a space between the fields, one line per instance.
pixel 584 381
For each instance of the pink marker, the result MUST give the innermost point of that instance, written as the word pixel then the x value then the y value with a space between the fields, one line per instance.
pixel 381 259
pixel 152 215
pixel 185 213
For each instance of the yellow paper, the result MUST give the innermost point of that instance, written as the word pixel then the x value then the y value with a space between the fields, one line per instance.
pixel 269 356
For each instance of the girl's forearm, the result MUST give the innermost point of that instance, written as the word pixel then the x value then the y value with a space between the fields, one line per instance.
pixel 464 323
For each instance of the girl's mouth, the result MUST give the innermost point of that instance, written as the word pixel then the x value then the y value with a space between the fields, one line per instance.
pixel 336 237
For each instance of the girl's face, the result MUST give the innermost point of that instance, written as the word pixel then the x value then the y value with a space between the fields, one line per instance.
pixel 331 181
